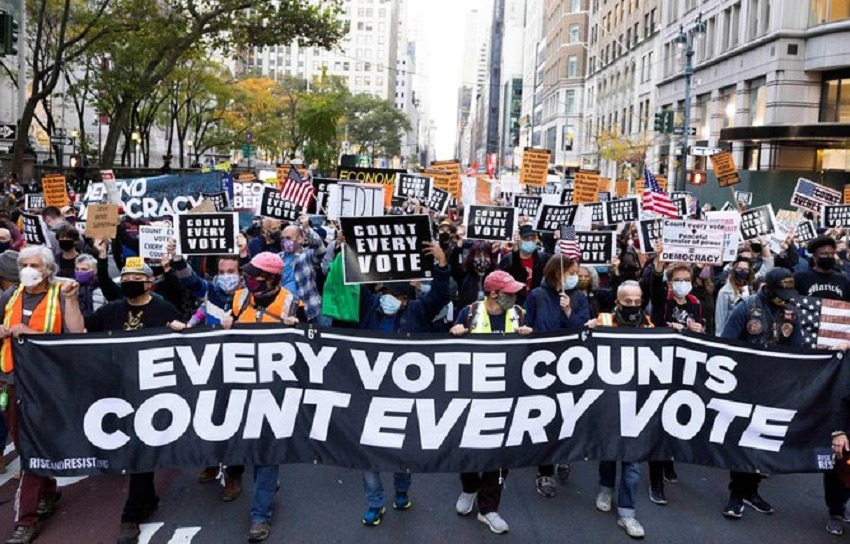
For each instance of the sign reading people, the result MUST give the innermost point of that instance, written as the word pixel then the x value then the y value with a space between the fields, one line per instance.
pixel 274 207
pixel 550 217
pixel 691 241
pixel 535 167
pixel 208 233
pixel 757 223
pixel 34 230
pixel 622 210
pixel 390 248
pixel 413 186
pixel 597 248
pixel 811 196
pixel 153 400
pixel 527 205
pixel 247 195
pixel 154 239
pixel 491 223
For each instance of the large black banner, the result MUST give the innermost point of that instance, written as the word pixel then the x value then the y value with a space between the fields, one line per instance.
pixel 138 401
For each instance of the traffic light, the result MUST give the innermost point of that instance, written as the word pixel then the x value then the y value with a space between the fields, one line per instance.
pixel 659 122
pixel 76 161
pixel 8 34
pixel 698 177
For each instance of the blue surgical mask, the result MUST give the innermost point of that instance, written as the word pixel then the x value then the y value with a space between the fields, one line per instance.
pixel 424 289
pixel 602 269
pixel 570 282
pixel 227 282
pixel 528 247
pixel 390 305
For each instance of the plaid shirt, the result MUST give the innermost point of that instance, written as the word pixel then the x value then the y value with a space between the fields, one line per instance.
pixel 305 274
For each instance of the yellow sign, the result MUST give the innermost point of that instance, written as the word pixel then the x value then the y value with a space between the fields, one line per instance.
pixel 535 167
pixel 585 187
pixel 55 191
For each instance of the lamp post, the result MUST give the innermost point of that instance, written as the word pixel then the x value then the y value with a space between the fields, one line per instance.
pixel 74 135
pixel 685 44
pixel 137 139
pixel 190 144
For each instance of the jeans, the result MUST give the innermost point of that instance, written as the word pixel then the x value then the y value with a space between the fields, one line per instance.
pixel 265 488
pixel 322 321
pixel 834 493
pixel 629 480
pixel 374 488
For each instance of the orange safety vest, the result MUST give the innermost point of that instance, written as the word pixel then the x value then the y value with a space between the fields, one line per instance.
pixel 47 318
pixel 246 311
pixel 607 320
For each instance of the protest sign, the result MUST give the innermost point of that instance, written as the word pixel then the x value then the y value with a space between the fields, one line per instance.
pixel 847 193
pixel 34 230
pixel 622 210
pixel 604 196
pixel 744 197
pixel 321 188
pixel 811 196
pixel 621 187
pixel 727 206
pixel 390 248
pixel 598 212
pixel 439 201
pixel 33 202
pixel 490 223
pixel 101 221
pixel 152 400
pixel 757 222
pixel 250 176
pixel 649 231
pixel 274 207
pixel 453 174
pixel 483 192
pixel 597 248
pixel 355 200
pixel 219 200
pixel 567 196
pixel 535 167
pixel 160 196
pixel 469 188
pixel 247 195
pixel 604 185
pixel 550 218
pixel 805 232
pixel 154 239
pixel 510 184
pixel 208 233
pixel 725 169
pixel 788 219
pixel 835 216
pixel 380 176
pixel 413 186
pixel 692 241
pixel 527 205
pixel 55 191
pixel 681 207
pixel 585 187
pixel 731 221
pixel 205 206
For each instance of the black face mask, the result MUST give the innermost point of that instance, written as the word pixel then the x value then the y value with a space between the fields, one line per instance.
pixel 133 289
pixel 66 245
pixel 825 263
pixel 445 238
pixel 756 248
pixel 742 276
pixel 842 255
pixel 630 314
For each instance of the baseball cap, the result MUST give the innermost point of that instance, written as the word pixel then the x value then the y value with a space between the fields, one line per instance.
pixel 780 282
pixel 527 230
pixel 9 266
pixel 500 280
pixel 399 288
pixel 267 262
pixel 136 265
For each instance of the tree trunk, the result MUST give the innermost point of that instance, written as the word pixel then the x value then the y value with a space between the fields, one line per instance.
pixel 119 120
pixel 22 137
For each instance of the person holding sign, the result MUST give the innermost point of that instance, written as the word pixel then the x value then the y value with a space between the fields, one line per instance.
pixel 556 305
pixel 738 287
pixel 497 313
pixel 39 305
pixel 526 262
pixel 303 252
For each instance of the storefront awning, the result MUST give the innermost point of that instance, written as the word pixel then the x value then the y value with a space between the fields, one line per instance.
pixel 824 135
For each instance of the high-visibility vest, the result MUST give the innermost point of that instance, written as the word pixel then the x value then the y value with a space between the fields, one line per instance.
pixel 246 311
pixel 47 318
pixel 481 319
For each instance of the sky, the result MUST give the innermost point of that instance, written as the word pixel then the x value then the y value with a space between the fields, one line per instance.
pixel 439 46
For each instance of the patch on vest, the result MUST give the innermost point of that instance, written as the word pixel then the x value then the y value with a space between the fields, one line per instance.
pixel 786 329
pixel 754 326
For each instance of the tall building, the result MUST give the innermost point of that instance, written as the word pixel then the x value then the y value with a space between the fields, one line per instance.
pixel 532 76
pixel 511 83
pixel 768 84
pixel 621 93
pixel 472 28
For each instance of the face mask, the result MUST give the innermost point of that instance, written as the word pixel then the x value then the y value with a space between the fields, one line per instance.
pixel 602 269
pixel 682 289
pixel 841 254
pixel 825 263
pixel 528 247
pixel 288 246
pixel 30 277
pixel 444 238
pixel 630 313
pixel 481 266
pixel 390 305
pixel 254 285
pixel 66 245
pixel 705 273
pixel 133 289
pixel 570 282
pixel 4 246
pixel 583 285
pixel 274 236
pixel 742 276
pixel 227 282
pixel 756 248
pixel 84 277
pixel 424 289
pixel 506 301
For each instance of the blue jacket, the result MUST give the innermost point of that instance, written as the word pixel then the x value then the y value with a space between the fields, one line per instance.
pixel 201 288
pixel 416 316
pixel 543 310
pixel 761 332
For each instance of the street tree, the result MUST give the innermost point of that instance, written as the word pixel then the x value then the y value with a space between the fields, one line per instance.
pixel 375 125
pixel 320 121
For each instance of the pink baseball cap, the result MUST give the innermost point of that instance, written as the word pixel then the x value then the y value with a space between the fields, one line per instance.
pixel 267 262
pixel 500 280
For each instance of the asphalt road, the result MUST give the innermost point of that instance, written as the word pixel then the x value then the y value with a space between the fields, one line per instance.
pixel 324 504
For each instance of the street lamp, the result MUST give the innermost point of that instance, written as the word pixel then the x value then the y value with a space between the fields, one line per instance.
pixel 190 144
pixel 74 135
pixel 137 139
pixel 685 45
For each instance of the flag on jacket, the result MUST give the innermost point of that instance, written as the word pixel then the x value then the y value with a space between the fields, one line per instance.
pixel 296 188
pixel 655 199
pixel 568 243
pixel 825 323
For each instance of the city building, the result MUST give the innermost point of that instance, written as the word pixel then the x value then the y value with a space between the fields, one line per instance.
pixel 532 78
pixel 511 87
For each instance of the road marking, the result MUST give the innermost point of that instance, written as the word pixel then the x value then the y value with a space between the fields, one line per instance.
pixel 147 531
pixel 184 535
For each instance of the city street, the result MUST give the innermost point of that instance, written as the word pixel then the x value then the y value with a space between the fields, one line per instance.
pixel 323 504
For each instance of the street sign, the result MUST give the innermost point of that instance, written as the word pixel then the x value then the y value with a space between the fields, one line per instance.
pixel 58 140
pixel 704 151
pixel 8 132
pixel 692 131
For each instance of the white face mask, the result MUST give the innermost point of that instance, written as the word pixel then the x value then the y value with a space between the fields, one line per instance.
pixel 30 277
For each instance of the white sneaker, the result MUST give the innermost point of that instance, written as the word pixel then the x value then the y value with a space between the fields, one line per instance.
pixel 632 526
pixel 494 521
pixel 465 503
pixel 603 501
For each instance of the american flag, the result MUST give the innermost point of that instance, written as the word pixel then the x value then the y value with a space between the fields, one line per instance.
pixel 569 244
pixel 805 187
pixel 296 189
pixel 655 199
pixel 825 323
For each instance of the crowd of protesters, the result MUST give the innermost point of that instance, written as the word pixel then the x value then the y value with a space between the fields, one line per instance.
pixel 286 274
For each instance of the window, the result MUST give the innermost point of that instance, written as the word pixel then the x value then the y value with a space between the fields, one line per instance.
pixel 574 34
pixel 824 11
pixel 575 5
pixel 572 66
pixel 729 104
pixel 704 126
pixel 647 26
pixel 758 101
pixel 835 98
pixel 569 101
pixel 734 31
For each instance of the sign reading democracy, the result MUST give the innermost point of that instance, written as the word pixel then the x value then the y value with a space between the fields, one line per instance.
pixel 208 233
pixel 691 241
pixel 491 223
pixel 390 248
